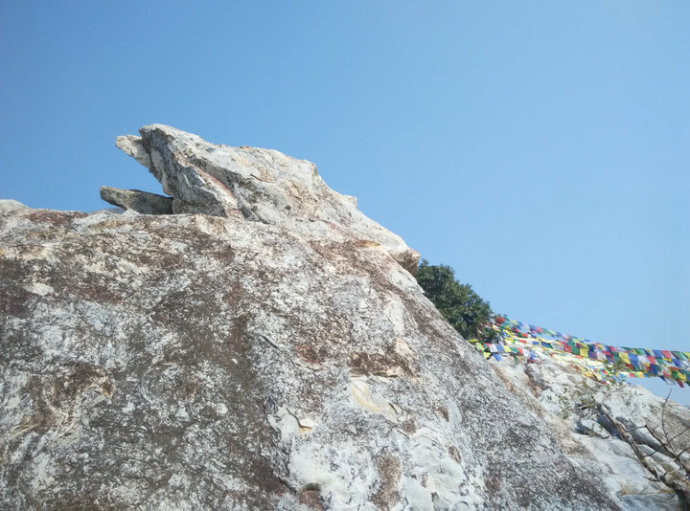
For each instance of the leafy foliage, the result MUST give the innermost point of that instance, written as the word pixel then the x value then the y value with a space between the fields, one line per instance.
pixel 459 304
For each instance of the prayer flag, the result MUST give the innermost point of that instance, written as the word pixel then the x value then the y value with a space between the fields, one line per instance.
pixel 633 360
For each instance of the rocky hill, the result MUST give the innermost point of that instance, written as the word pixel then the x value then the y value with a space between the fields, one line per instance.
pixel 252 341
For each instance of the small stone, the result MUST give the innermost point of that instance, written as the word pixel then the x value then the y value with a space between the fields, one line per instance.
pixel 142 202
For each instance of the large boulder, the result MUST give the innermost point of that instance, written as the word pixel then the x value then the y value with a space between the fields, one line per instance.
pixel 209 361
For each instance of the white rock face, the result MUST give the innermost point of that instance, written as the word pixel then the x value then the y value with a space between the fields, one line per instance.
pixel 204 361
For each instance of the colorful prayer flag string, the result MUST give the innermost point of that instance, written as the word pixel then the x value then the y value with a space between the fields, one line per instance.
pixel 596 360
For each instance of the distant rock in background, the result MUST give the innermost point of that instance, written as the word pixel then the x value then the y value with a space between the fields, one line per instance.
pixel 263 347
pixel 592 420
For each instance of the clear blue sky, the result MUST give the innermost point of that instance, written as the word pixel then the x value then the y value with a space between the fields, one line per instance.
pixel 542 149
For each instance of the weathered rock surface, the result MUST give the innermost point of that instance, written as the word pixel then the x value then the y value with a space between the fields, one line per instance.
pixel 142 202
pixel 204 361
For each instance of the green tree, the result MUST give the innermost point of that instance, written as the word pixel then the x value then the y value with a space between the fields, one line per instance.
pixel 458 303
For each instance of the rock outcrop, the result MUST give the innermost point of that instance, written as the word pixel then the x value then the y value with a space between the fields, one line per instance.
pixel 264 347
pixel 256 184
